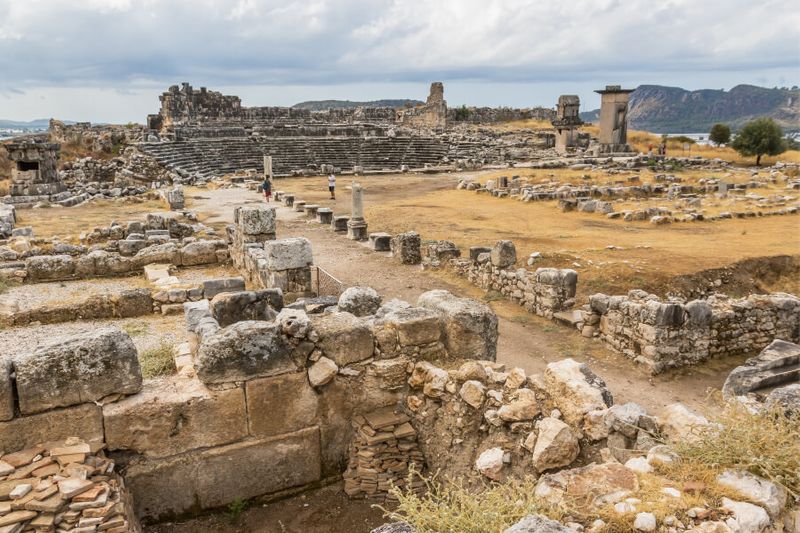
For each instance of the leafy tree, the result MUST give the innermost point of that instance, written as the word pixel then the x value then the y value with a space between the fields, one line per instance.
pixel 462 113
pixel 759 137
pixel 720 134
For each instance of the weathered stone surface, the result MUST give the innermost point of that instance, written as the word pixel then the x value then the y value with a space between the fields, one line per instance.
pixel 242 351
pixel 322 372
pixel 593 484
pixel 230 307
pixel 747 518
pixel 293 322
pixel 473 393
pixel 78 369
pixel 174 416
pixel 773 366
pixel 413 326
pixel 504 254
pixel 538 524
pixel 624 418
pixel 394 527
pixel 212 287
pixel 490 464
pixel 360 301
pixel 82 421
pixel 523 406
pixel 6 389
pixel 49 267
pixel 343 337
pixel 199 253
pixel 556 445
pixel 575 390
pixel 217 476
pixel 256 220
pixel 280 404
pixel 287 254
pixel 679 423
pixel 645 522
pixel 406 247
pixel 767 494
pixel 470 327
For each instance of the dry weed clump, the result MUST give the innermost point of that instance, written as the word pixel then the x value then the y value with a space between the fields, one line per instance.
pixel 766 444
pixel 157 362
pixel 453 506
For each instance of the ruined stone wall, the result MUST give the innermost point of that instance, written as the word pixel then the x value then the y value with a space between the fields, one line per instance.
pixel 673 334
pixel 495 115
pixel 544 292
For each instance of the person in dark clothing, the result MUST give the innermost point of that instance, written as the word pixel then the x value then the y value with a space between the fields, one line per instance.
pixel 266 188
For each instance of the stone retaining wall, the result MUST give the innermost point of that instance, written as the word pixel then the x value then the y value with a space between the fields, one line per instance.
pixel 544 292
pixel 669 334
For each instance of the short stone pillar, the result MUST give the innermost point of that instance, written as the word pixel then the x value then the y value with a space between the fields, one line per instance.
pixel 175 198
pixel 288 200
pixel 406 247
pixel 254 225
pixel 357 226
pixel 339 223
pixel 324 215
pixel 380 242
pixel 299 206
pixel 268 166
pixel 288 267
pixel 311 210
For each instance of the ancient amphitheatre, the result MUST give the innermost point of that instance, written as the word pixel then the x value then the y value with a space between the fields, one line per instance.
pixel 512 300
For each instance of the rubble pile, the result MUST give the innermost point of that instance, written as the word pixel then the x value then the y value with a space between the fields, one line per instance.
pixel 62 486
pixel 383 451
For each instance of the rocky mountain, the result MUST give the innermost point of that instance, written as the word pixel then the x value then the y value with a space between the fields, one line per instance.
pixel 674 110
pixel 319 105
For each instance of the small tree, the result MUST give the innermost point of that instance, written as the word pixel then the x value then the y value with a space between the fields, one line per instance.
pixel 720 134
pixel 758 137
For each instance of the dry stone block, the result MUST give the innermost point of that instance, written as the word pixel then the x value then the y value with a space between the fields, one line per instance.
pixel 470 327
pixel 199 253
pixel 175 416
pixel 504 254
pixel 538 524
pixel 280 404
pixel 575 390
pixel 256 220
pixel 556 445
pixel 344 338
pixel 218 476
pixel 415 326
pixel 242 351
pixel 212 287
pixel 288 254
pixel 230 307
pixel 49 267
pixel 6 390
pixel 360 301
pixel 322 372
pixel 82 421
pixel 78 369
pixel 407 247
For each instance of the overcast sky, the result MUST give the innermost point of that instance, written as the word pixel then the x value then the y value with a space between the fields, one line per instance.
pixel 107 60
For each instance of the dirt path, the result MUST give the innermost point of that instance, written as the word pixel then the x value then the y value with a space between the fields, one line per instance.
pixel 526 341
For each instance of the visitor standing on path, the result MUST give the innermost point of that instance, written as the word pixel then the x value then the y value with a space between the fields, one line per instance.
pixel 332 185
pixel 266 187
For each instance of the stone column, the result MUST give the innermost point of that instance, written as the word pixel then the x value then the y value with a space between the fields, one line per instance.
pixel 268 166
pixel 357 226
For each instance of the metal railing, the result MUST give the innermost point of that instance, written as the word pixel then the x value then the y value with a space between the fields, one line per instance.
pixel 324 283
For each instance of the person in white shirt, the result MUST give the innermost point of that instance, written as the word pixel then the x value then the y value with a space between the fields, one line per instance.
pixel 332 185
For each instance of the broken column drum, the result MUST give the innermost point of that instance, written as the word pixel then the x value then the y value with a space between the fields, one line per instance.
pixel 357 226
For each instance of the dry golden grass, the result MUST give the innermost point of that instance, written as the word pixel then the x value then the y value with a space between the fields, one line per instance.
pixel 157 362
pixel 528 124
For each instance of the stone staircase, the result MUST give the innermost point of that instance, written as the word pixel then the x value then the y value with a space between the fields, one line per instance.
pixel 218 156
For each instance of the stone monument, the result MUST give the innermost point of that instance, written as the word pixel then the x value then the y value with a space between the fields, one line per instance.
pixel 567 122
pixel 613 136
pixel 268 166
pixel 35 171
pixel 357 226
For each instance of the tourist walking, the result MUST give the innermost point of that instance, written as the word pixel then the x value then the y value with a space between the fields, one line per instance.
pixel 266 188
pixel 332 185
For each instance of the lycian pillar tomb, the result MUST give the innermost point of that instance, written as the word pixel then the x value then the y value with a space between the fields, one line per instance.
pixel 567 122
pixel 613 136
pixel 268 166
pixel 357 226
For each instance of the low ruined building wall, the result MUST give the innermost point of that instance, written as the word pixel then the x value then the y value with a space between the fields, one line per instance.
pixel 544 292
pixel 8 219
pixel 673 334
pixel 493 115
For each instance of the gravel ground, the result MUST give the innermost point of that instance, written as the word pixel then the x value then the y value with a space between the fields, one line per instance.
pixel 147 332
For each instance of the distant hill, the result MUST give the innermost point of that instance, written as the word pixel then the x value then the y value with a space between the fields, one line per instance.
pixel 674 110
pixel 38 124
pixel 321 105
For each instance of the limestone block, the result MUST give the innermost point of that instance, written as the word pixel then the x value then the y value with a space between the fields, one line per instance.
pixel 679 423
pixel 230 307
pixel 538 524
pixel 195 312
pixel 490 464
pixel 280 404
pixel 769 495
pixel 49 267
pixel 217 476
pixel 83 421
pixel 473 392
pixel 343 337
pixel 174 416
pixel 242 351
pixel 6 390
pixel 470 327
pixel 158 253
pixel 322 372
pixel 78 369
pixel 596 484
pixel 199 253
pixel 133 302
pixel 380 242
pixel 287 254
pixel 212 287
pixel 415 326
pixel 575 390
pixel 360 301
pixel 255 220
pixel 504 254
pixel 747 518
pixel 406 247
